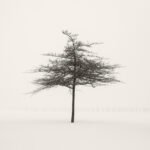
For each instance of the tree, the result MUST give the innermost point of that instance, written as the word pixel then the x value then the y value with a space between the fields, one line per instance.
pixel 76 66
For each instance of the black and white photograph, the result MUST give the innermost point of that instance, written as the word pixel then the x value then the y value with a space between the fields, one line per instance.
pixel 74 75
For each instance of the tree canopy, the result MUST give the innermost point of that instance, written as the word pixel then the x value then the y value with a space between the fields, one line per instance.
pixel 77 65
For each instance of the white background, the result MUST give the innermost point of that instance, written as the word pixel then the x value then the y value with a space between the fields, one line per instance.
pixel 29 28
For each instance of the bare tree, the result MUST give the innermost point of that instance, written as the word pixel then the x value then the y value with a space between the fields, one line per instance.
pixel 76 66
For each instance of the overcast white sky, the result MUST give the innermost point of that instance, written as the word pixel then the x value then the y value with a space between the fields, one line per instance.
pixel 29 28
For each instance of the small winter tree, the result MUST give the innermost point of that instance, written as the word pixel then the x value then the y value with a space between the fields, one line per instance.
pixel 76 66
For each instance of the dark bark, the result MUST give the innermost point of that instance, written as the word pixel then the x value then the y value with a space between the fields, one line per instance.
pixel 74 86
pixel 73 103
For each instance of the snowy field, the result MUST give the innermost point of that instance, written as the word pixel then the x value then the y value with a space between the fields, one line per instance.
pixel 39 131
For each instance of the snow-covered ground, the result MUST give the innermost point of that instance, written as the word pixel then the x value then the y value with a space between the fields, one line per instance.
pixel 42 131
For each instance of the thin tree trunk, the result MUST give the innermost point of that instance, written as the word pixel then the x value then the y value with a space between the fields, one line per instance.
pixel 73 103
pixel 73 88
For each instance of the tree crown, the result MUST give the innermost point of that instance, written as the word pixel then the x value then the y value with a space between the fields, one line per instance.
pixel 77 62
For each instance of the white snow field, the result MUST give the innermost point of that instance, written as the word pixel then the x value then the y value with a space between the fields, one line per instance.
pixel 39 131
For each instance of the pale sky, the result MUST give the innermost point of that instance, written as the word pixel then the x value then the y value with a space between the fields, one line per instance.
pixel 29 28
